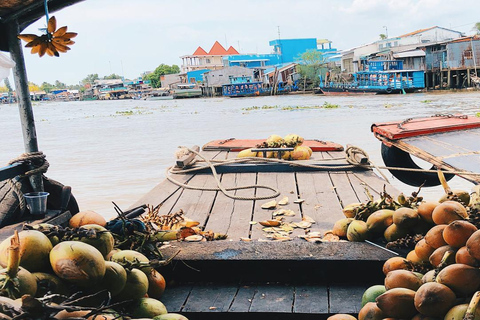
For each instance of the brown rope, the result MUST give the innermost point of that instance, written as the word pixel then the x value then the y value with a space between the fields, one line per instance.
pixel 38 161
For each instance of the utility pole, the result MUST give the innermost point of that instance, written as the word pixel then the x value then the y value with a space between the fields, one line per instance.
pixel 386 31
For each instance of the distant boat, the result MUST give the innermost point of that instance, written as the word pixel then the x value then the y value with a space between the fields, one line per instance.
pixel 381 77
pixel 186 91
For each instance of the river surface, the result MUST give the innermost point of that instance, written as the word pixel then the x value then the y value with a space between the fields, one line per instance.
pixel 119 150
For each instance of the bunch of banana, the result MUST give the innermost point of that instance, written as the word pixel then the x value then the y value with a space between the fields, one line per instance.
pixel 293 140
pixel 51 43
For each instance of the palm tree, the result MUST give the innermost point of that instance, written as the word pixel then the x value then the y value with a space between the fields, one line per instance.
pixel 383 36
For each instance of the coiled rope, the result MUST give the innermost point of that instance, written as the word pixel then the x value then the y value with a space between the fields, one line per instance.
pixel 352 154
pixel 37 160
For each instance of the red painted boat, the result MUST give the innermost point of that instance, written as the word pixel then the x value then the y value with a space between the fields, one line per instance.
pixel 236 145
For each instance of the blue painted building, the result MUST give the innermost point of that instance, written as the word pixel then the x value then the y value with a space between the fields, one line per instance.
pixel 196 75
pixel 284 51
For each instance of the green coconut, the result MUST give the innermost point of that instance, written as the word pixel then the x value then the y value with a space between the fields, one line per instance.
pixel 372 293
pixel 34 250
pixel 78 263
pixel 115 278
pixel 148 308
pixel 100 238
pixel 136 286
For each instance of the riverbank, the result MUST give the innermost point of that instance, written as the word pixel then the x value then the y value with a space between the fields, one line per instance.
pixel 119 150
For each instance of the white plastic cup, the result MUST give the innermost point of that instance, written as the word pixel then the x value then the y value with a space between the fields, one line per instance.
pixel 36 202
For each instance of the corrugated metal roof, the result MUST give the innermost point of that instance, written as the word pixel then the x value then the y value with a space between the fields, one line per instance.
pixel 416 32
pixel 411 53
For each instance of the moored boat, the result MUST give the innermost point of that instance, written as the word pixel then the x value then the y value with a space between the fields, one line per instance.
pixel 379 77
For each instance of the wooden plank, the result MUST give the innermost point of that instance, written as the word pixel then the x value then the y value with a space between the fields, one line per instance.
pixel 343 188
pixel 175 297
pixel 210 298
pixel 311 299
pixel 243 299
pixel 196 204
pixel 374 183
pixel 346 298
pixel 232 217
pixel 261 251
pixel 285 184
pixel 321 202
pixel 276 298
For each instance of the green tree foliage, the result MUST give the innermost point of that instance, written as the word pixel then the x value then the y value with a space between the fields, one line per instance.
pixel 312 64
pixel 60 85
pixel 476 28
pixel 383 36
pixel 90 78
pixel 161 70
pixel 47 87
pixel 112 76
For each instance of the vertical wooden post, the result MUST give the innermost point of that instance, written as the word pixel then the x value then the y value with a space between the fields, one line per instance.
pixel 469 83
pixel 449 82
pixel 458 79
pixel 23 98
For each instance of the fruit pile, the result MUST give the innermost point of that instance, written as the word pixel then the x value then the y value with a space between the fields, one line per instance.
pixel 78 274
pixel 440 277
pixel 275 141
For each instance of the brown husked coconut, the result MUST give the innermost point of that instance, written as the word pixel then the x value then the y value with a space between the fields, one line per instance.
pixel 434 236
pixel 434 299
pixel 402 279
pixel 463 256
pixel 86 217
pixel 457 233
pixel 425 210
pixel 473 245
pixel 397 303
pixel 395 263
pixel 462 279
pixel 449 211
pixel 370 311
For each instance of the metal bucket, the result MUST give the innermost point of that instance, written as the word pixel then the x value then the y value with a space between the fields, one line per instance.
pixel 36 202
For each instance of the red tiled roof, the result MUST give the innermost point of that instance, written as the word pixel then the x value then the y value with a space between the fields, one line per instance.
pixel 217 50
pixel 232 50
pixel 415 32
pixel 200 52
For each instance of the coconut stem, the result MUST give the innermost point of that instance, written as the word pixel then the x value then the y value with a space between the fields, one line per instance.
pixel 472 307
pixel 13 261
pixel 443 181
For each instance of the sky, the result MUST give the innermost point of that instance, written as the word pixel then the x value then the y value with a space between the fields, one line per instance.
pixel 131 37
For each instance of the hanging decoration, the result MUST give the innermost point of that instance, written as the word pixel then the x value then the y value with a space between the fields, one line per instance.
pixel 52 42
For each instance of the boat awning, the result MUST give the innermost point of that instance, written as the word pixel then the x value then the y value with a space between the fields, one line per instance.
pixel 411 53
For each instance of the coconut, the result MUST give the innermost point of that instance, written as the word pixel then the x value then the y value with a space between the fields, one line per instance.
pixel 402 279
pixel 78 263
pixel 100 238
pixel 47 282
pixel 136 286
pixel 370 311
pixel 125 257
pixel 156 284
pixel 357 231
pixel 395 263
pixel 434 237
pixel 423 250
pixel 172 316
pixel 25 282
pixel 341 316
pixel 34 250
pixel 413 258
pixel 457 233
pixel 462 279
pixel 115 278
pixel 425 210
pixel 434 299
pixel 449 211
pixel 429 276
pixel 405 217
pixel 473 245
pixel 461 195
pixel 86 217
pixel 397 303
pixel 394 232
pixel 380 220
pixel 458 312
pixel 445 253
pixel 464 257
pixel 148 308
pixel 341 226
pixel 372 293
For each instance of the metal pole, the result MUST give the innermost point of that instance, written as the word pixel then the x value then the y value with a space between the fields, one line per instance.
pixel 23 98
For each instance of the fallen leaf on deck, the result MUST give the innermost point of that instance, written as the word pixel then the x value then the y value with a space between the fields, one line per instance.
pixel 284 212
pixel 212 308
pixel 283 202
pixel 308 219
pixel 330 237
pixel 299 201
pixel 245 239
pixel 303 224
pixel 194 238
pixel 314 240
pixel 253 222
pixel 318 206
pixel 270 223
pixel 279 238
pixel 269 205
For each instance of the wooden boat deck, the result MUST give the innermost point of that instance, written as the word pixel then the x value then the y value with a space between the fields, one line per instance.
pixel 293 279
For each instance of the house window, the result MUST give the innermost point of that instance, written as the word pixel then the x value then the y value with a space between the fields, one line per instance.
pixel 208 60
pixel 381 46
pixel 467 54
pixel 395 44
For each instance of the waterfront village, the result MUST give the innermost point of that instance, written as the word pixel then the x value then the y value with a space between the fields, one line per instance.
pixel 443 59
